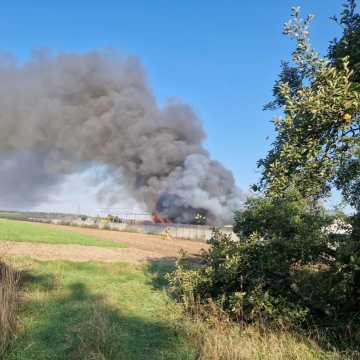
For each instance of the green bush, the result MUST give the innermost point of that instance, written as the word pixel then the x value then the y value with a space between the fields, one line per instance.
pixel 290 266
pixel 287 268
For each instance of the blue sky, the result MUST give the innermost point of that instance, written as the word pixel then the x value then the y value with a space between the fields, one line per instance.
pixel 222 57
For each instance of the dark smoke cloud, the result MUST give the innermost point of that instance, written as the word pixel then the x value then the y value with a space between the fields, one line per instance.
pixel 59 115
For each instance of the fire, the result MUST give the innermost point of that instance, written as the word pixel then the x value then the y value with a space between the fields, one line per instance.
pixel 157 219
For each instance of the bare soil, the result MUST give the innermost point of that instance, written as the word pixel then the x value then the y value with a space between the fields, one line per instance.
pixel 141 247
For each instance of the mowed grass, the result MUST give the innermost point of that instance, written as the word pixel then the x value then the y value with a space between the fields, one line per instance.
pixel 11 230
pixel 96 311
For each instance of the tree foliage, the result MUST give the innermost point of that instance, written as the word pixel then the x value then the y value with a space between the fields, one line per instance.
pixel 321 124
pixel 294 263
pixel 349 44
pixel 285 268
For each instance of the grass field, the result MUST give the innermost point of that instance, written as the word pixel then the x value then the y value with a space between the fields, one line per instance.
pixel 95 311
pixel 11 230
pixel 118 311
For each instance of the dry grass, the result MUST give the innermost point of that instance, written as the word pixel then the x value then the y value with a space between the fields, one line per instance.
pixel 9 301
pixel 221 339
pixel 233 343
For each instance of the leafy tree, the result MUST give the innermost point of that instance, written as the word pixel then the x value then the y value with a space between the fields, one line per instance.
pixel 289 267
pixel 349 44
pixel 348 179
pixel 290 75
pixel 320 129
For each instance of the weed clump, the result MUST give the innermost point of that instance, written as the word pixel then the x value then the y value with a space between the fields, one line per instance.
pixel 9 302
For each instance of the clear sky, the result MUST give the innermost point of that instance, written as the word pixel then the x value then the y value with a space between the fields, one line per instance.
pixel 222 57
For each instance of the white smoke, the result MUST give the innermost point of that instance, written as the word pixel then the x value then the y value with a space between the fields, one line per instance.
pixel 60 115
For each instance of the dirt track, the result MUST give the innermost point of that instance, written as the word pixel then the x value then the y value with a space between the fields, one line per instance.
pixel 141 247
pixel 76 252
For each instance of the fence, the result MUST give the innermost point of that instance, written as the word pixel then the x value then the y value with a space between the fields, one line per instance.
pixel 182 231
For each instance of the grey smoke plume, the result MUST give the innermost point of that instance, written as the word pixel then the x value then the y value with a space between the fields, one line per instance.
pixel 60 115
pixel 25 180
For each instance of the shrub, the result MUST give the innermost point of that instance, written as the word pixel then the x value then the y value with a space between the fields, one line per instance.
pixel 286 268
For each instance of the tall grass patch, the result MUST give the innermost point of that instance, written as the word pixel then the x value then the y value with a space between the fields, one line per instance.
pixel 9 303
